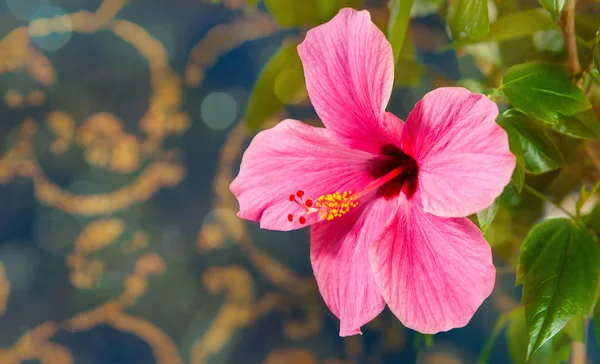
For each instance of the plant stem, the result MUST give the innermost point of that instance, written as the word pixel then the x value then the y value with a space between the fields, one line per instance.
pixel 543 197
pixel 567 24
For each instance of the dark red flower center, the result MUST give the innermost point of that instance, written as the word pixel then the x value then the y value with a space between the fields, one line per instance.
pixel 391 158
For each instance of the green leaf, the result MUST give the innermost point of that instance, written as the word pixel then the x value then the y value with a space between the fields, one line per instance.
pixel 554 351
pixel 398 25
pixel 537 150
pixel 543 91
pixel 468 19
pixel 518 176
pixel 558 267
pixel 408 71
pixel 279 83
pixel 585 194
pixel 518 24
pixel 423 8
pixel 583 125
pixel 517 340
pixel 575 328
pixel 592 220
pixel 555 7
pixel 327 9
pixel 560 348
pixel 422 340
pixel 486 217
pixel 294 13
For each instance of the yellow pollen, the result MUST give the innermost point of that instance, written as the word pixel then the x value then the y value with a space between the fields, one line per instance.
pixel 336 204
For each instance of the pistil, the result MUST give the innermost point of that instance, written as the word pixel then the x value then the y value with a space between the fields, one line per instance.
pixel 337 204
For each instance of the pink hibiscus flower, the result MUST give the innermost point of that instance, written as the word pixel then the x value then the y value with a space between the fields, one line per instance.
pixel 386 199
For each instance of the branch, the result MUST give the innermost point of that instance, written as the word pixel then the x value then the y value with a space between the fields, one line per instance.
pixel 567 24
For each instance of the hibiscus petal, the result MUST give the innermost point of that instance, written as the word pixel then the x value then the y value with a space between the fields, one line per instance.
pixel 293 156
pixel 349 70
pixel 433 272
pixel 463 155
pixel 340 259
pixel 392 128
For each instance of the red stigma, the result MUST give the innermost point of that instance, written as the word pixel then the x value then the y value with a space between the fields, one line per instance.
pixel 292 198
pixel 308 203
pixel 300 193
pixel 302 220
pixel 290 217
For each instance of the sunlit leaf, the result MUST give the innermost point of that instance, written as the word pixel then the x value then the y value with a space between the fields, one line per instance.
pixel 549 40
pixel 485 51
pixel 408 70
pixel 558 268
pixel 328 8
pixel 280 81
pixel 543 91
pixel 293 13
pixel 398 25
pixel 575 328
pixel 468 19
pixel 537 150
pixel 560 348
pixel 555 7
pixel 517 25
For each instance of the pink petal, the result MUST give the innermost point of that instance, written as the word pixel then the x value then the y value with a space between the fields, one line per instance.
pixel 392 128
pixel 340 259
pixel 463 155
pixel 433 272
pixel 349 70
pixel 289 157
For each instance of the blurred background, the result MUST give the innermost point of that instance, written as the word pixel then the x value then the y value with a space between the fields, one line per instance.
pixel 121 127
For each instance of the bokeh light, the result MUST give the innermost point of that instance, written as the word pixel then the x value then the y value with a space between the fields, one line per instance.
pixel 24 9
pixel 219 110
pixel 166 38
pixel 21 264
pixel 219 227
pixel 50 28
